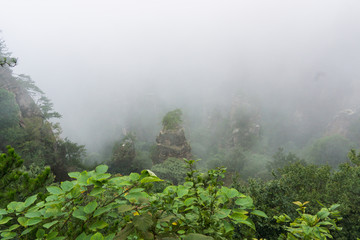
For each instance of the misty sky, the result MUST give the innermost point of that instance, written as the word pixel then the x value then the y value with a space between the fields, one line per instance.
pixel 93 59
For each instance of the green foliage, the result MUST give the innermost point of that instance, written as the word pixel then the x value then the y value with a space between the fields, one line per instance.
pixel 172 120
pixel 9 110
pixel 308 226
pixel 97 205
pixel 17 184
pixel 123 155
pixel 233 159
pixel 172 169
pixel 330 150
pixel 72 153
pixel 6 61
pixel 280 160
pixel 354 158
pixel 299 182
pixel 46 107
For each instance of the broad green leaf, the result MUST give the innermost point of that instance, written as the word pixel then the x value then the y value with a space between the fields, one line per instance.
pixel 247 222
pixel 110 236
pixel 82 236
pixel 228 226
pixel 134 176
pixel 23 221
pixel 83 178
pixel 151 179
pixel 136 196
pixel 12 206
pixel 188 184
pixel 322 214
pixel 100 224
pixel 20 206
pixel 102 210
pixel 238 216
pixel 79 213
pixel 27 230
pixel 33 214
pixel 5 220
pixel 40 233
pixel 97 191
pixel 67 186
pixel 8 235
pixel 189 201
pixel 245 202
pixel 52 235
pixel 125 208
pixel 30 200
pixel 55 190
pixel 222 213
pixel 13 227
pixel 33 221
pixel 90 207
pixel 101 169
pixel 182 191
pixel 325 223
pixel 50 224
pixel 74 174
pixel 231 193
pixel 307 230
pixel 102 176
pixel 51 199
pixel 197 236
pixel 97 236
pixel 76 191
pixel 52 212
pixel 333 207
pixel 259 213
pixel 3 212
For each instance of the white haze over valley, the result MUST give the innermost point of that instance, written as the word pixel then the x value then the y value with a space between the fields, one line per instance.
pixel 105 63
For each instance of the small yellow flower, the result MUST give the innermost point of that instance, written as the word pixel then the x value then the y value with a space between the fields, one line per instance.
pixel 174 223
pixel 136 213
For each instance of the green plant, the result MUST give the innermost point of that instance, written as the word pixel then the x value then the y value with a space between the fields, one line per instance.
pixel 172 120
pixel 97 205
pixel 16 183
pixel 11 62
pixel 308 226
pixel 330 150
pixel 172 169
pixel 204 207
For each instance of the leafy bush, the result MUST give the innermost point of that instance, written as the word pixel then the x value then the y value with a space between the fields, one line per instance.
pixel 99 206
pixel 330 150
pixel 308 226
pixel 172 169
pixel 16 183
pixel 172 120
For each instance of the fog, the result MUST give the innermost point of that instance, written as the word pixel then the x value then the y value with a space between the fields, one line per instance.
pixel 108 65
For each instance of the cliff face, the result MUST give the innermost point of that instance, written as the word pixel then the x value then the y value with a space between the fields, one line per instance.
pixel 33 137
pixel 28 107
pixel 341 122
pixel 171 143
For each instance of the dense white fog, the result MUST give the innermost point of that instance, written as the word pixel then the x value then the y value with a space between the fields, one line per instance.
pixel 107 64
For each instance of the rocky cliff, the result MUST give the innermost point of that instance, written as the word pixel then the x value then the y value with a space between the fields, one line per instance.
pixel 171 143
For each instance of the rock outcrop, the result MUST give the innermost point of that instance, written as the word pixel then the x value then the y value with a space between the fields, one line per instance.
pixel 341 123
pixel 171 143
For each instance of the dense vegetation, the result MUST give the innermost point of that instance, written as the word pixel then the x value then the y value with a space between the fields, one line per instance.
pixel 97 205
